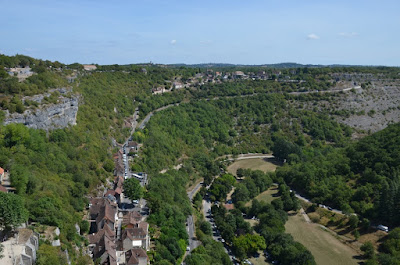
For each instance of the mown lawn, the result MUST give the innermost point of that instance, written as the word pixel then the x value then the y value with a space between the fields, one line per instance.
pixel 254 164
pixel 325 247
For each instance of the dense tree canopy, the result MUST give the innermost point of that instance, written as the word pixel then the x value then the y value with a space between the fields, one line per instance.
pixel 12 210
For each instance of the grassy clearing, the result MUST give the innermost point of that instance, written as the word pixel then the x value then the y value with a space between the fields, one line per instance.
pixel 262 164
pixel 325 247
pixel 338 223
pixel 266 196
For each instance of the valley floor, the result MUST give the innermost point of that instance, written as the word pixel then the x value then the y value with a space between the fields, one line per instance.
pixel 326 249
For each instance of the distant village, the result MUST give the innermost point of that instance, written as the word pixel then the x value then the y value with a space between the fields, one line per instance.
pixel 216 77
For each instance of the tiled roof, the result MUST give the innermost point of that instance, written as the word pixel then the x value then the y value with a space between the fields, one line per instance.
pixel 1 170
pixel 96 238
pixel 133 256
pixel 134 233
pixel 3 189
pixel 131 218
pixel 118 190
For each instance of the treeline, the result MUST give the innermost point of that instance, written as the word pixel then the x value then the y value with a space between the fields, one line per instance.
pixel 279 245
pixel 26 61
pixel 169 206
pixel 53 174
pixel 362 177
pixel 253 184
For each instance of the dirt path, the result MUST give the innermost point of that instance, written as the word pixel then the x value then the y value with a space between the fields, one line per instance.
pixel 303 213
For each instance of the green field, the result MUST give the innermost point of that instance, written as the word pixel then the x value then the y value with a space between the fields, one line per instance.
pixel 252 163
pixel 326 249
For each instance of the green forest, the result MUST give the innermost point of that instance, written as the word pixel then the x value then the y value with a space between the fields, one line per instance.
pixel 54 171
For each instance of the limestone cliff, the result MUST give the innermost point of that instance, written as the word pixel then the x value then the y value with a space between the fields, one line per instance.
pixel 48 116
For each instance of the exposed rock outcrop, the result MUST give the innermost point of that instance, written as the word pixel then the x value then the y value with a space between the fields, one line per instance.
pixel 48 116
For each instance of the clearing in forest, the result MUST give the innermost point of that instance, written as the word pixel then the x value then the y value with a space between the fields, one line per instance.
pixel 263 164
pixel 325 248
pixel 267 196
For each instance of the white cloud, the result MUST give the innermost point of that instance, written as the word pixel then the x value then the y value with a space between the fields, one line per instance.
pixel 348 34
pixel 173 42
pixel 312 36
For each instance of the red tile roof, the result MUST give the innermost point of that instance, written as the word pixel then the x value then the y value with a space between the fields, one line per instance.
pixel 1 170
pixel 229 206
pixel 3 189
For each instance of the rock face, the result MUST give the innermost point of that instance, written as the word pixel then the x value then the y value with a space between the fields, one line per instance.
pixel 48 117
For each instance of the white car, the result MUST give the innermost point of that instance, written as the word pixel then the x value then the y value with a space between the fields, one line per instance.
pixel 135 201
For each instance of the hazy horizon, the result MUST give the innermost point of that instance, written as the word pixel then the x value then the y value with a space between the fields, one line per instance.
pixel 228 32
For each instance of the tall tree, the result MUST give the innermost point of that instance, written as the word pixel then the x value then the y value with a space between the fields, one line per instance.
pixel 132 189
pixel 12 210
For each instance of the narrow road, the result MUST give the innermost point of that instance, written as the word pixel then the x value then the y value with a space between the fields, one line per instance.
pixel 193 243
pixel 146 119
pixel 320 205
pixel 325 91
pixel 246 156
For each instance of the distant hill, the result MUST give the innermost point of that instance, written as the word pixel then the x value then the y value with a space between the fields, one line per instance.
pixel 276 65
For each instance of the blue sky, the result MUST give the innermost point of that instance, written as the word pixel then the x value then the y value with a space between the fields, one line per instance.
pixel 362 32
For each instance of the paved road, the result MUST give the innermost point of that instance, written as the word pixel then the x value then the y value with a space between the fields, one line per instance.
pixel 216 236
pixel 146 119
pixel 246 156
pixel 325 91
pixel 322 206
pixel 193 243
pixel 194 191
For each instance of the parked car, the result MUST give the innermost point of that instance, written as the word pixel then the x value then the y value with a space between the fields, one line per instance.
pixel 383 228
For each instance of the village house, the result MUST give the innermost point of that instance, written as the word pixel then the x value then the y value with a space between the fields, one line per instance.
pixel 103 218
pixel 103 213
pixel 21 250
pixel 136 256
pixel 21 73
pixel 3 189
pixel 119 165
pixel 136 232
pixel 238 74
pixel 103 248
pixel 159 90
pixel 1 175
pixel 177 85
pixel 89 67
pixel 133 146
pixel 135 237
